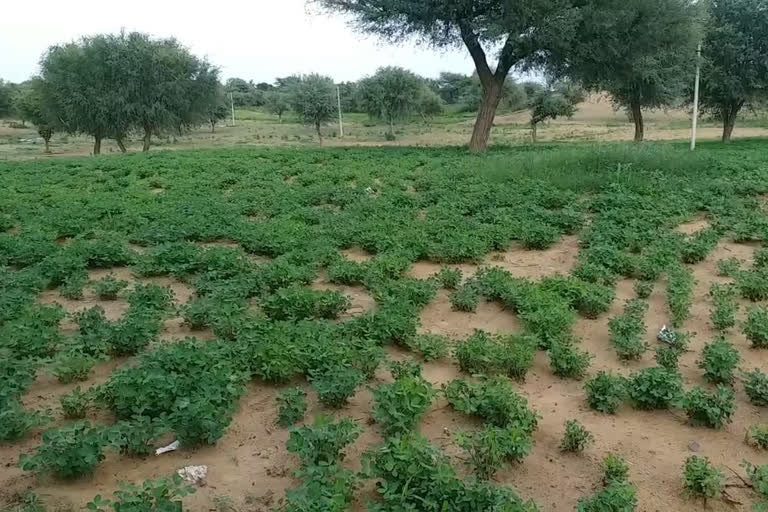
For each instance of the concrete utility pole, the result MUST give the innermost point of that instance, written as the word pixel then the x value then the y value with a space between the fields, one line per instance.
pixel 341 121
pixel 232 104
pixel 696 98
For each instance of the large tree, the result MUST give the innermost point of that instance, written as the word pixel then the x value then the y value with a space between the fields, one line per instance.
pixel 521 30
pixel 6 99
pixel 33 105
pixel 640 51
pixel 277 103
pixel 734 72
pixel 312 97
pixel 391 94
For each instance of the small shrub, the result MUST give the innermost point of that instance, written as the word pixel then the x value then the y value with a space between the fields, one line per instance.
pixel 615 497
pixel 643 289
pixel 758 477
pixel 136 437
pixel 679 294
pixel 67 452
pixel 667 356
pixel 431 346
pixel 755 328
pixel 160 495
pixel 627 331
pixel 568 361
pixel 606 392
pixel 400 405
pixel 477 354
pixel 336 386
pixel 710 409
pixel 576 437
pixel 719 360
pixel 538 235
pixel 73 366
pixel 322 442
pixel 75 404
pixel 490 448
pixel 72 287
pixel 465 298
pixel 134 332
pixel 109 287
pixel 655 388
pixel 516 355
pixel 291 406
pixel 150 297
pixel 701 479
pixel 696 247
pixel 615 469
pixel 753 284
pixel 757 436
pixel 449 278
pixel 728 267
pixel 404 368
pixel 16 421
pixel 298 303
pixel 723 313
pixel 756 387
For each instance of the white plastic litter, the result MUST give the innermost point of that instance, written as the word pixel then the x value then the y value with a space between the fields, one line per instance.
pixel 171 447
pixel 667 335
pixel 194 474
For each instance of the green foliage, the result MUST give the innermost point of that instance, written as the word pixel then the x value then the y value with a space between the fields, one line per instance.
pixel 489 449
pixel 312 100
pixel 679 294
pixel 710 409
pixel 16 421
pixel 719 360
pixel 756 387
pixel 701 479
pixel 160 495
pixel 606 392
pixel 136 437
pixel 576 437
pixel 643 289
pixel 399 406
pixel 327 488
pixel 753 284
pixel 431 346
pixel 291 406
pixel 482 353
pixel 589 299
pixel 757 436
pixel 67 452
pixel 465 298
pixel 75 404
pixel 723 314
pixel 337 385
pixel 729 267
pixel 391 94
pixel 655 388
pixel 667 356
pixel 618 496
pixel 615 469
pixel 568 361
pixel 449 278
pixel 298 303
pixel 699 245
pixel 109 287
pixel 73 366
pixel 755 328
pixel 627 331
pixel 758 477
pixel 322 442
pixel 554 102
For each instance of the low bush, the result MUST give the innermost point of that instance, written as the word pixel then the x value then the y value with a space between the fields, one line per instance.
pixel 728 267
pixel 160 495
pixel 576 437
pixel 16 421
pixel 755 328
pixel 449 278
pixel 758 477
pixel 109 287
pixel 615 469
pixel 431 347
pixel 680 284
pixel 710 409
pixel 606 392
pixel 490 448
pixel 291 406
pixel 655 388
pixel 399 406
pixel 756 387
pixel 615 497
pixel 719 361
pixel 483 353
pixel 74 405
pixel 757 436
pixel 753 284
pixel 723 313
pixel 137 437
pixel 336 386
pixel 566 360
pixel 298 303
pixel 696 247
pixel 465 298
pixel 322 488
pixel 627 331
pixel 701 479
pixel 322 442
pixel 67 452
pixel 643 289
pixel 73 366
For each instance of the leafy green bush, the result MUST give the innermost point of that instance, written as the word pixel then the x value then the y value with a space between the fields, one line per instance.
pixel 160 495
pixel 627 331
pixel 758 477
pixel 73 366
pixel 711 409
pixel 696 247
pixel 431 346
pixel 576 437
pixel 298 303
pixel 728 267
pixel 150 297
pixel 322 442
pixel 617 496
pixel 483 353
pixel 719 360
pixel 538 235
pixel 679 294
pixel 16 421
pixel 756 387
pixel 465 298
pixel 643 289
pixel 73 285
pixel 755 328
pixel 753 284
pixel 399 406
pixel 336 386
pixel 757 436
pixel 449 278
pixel 67 452
pixel 134 332
pixel 136 437
pixel 606 392
pixel 75 404
pixel 655 388
pixel 723 313
pixel 327 488
pixel 291 406
pixel 615 469
pixel 489 449
pixel 667 356
pixel 701 479
pixel 109 287
pixel 568 361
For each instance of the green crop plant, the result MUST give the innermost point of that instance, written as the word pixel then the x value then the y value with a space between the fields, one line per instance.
pixel 615 469
pixel 724 306
pixel 336 386
pixel 162 494
pixel 322 442
pixel 576 438
pixel 710 409
pixel 291 406
pixel 73 366
pixel 655 388
pixel 16 421
pixel 465 298
pixel 680 284
pixel 701 479
pixel 109 287
pixel 729 267
pixel 627 331
pixel 298 303
pixel 489 449
pixel 755 327
pixel 606 392
pixel 698 246
pixel 137 436
pixel 74 405
pixel 753 284
pixel 67 452
pixel 719 360
pixel 756 387
pixel 757 436
pixel 643 289
pixel 431 347
pixel 449 278
pixel 399 406
pixel 568 361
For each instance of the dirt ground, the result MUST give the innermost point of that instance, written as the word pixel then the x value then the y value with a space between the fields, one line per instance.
pixel 249 469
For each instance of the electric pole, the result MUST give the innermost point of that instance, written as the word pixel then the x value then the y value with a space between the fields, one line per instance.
pixel 696 98
pixel 341 121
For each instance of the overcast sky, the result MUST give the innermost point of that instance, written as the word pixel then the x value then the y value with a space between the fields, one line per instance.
pixel 256 39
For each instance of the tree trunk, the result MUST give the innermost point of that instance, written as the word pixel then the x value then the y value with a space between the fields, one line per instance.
pixel 485 115
pixel 213 126
pixel 47 144
pixel 147 139
pixel 534 125
pixel 97 144
pixel 392 128
pixel 637 117
pixel 120 144
pixel 280 117
pixel 319 134
pixel 729 120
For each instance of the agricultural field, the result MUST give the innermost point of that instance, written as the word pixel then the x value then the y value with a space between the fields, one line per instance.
pixel 387 328
pixel 594 121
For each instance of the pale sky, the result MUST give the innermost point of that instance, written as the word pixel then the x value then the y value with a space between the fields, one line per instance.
pixel 256 39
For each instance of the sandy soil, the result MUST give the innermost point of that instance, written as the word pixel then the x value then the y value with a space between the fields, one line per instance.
pixel 251 466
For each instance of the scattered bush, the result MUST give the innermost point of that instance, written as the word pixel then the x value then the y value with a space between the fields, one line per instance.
pixel 753 284
pixel 67 452
pixel 136 437
pixel 643 289
pixel 696 247
pixel 399 406
pixel 73 366
pixel 576 437
pixel 627 331
pixel 322 442
pixel 160 495
pixel 431 346
pixel 336 386
pixel 615 469
pixel 606 392
pixel 755 328
pixel 710 409
pixel 291 406
pixel 568 361
pixel 758 477
pixel 723 314
pixel 490 448
pixel 298 303
pixel 728 267
pixel 701 479
pixel 719 360
pixel 16 421
pixel 75 404
pixel 483 353
pixel 756 387
pixel 109 287
pixel 465 298
pixel 449 278
pixel 679 294
pixel 757 436
pixel 615 497
pixel 655 388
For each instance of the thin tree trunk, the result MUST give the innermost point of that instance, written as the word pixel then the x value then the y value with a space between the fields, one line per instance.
pixel 147 139
pixel 120 144
pixel 637 118
pixel 319 134
pixel 534 125
pixel 392 128
pixel 485 115
pixel 97 144
pixel 213 126
pixel 47 144
pixel 280 117
pixel 730 114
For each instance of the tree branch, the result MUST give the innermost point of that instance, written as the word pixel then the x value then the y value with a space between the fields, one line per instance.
pixel 506 59
pixel 477 53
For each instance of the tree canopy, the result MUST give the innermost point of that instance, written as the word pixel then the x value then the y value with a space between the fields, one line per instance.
pixel 524 31
pixel 734 70
pixel 33 106
pixel 545 103
pixel 391 94
pixel 276 103
pixel 312 97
